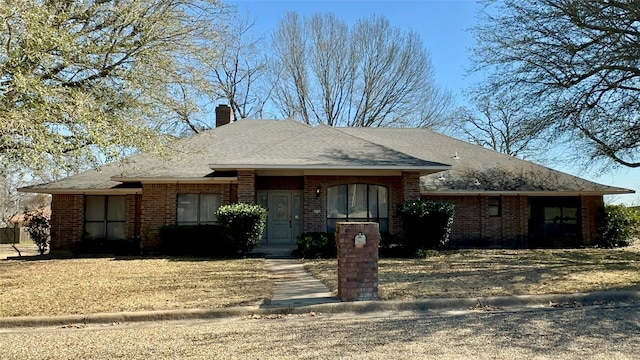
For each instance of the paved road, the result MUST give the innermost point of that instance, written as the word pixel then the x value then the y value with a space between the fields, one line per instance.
pixel 567 333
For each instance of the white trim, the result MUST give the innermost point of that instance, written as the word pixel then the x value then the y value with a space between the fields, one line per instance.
pixel 428 169
pixel 84 191
pixel 166 180
pixel 527 193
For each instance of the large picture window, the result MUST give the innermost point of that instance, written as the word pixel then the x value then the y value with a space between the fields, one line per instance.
pixel 104 217
pixel 357 202
pixel 197 209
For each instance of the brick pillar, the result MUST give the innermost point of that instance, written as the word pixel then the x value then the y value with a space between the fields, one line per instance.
pixel 67 222
pixel 411 185
pixel 357 267
pixel 247 186
pixel 590 207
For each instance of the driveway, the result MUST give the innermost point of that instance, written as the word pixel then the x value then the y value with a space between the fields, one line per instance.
pixel 566 333
pixel 26 249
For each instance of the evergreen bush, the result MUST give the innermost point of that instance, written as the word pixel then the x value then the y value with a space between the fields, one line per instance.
pixel 426 224
pixel 246 224
pixel 618 226
pixel 39 229
pixel 315 245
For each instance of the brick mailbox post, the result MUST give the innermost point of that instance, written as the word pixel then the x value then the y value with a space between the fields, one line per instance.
pixel 357 244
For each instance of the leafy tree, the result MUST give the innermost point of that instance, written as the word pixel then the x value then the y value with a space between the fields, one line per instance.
pixel 576 63
pixel 370 74
pixel 86 81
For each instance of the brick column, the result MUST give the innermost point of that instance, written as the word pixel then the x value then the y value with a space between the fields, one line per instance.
pixel 590 207
pixel 357 267
pixel 411 185
pixel 247 186
pixel 67 222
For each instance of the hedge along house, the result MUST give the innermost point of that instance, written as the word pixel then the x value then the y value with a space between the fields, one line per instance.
pixel 309 178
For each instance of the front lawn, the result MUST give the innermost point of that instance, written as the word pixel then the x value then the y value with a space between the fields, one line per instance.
pixel 474 273
pixel 85 286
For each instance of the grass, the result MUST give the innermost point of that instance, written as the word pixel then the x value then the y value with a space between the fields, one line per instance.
pixel 474 273
pixel 85 286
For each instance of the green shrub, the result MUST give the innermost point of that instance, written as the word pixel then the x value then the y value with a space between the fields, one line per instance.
pixel 314 245
pixel 39 229
pixel 246 223
pixel 426 224
pixel 618 225
pixel 392 245
pixel 197 240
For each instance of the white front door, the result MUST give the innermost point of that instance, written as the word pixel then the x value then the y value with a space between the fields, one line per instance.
pixel 284 220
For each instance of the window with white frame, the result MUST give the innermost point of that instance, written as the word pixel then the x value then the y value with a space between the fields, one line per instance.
pixel 197 209
pixel 104 217
pixel 357 202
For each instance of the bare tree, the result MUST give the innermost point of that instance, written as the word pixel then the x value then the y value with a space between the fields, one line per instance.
pixel 372 74
pixel 500 124
pixel 237 75
pixel 576 63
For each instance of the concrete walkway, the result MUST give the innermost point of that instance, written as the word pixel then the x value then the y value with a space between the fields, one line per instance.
pixel 294 286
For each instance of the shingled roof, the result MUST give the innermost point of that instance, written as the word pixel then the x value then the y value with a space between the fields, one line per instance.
pixel 447 165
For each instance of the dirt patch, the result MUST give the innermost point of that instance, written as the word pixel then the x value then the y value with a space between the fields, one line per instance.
pixel 85 286
pixel 474 273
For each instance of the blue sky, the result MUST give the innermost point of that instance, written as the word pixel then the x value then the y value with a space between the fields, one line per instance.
pixel 444 27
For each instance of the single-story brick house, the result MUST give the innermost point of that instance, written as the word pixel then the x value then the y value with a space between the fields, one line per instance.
pixel 310 177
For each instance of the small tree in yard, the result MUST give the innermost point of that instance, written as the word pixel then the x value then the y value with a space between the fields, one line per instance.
pixel 246 223
pixel 618 226
pixel 427 224
pixel 38 227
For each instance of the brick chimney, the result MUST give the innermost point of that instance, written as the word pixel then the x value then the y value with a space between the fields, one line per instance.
pixel 223 115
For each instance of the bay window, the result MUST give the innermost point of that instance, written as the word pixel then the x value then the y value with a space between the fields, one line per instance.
pixel 357 202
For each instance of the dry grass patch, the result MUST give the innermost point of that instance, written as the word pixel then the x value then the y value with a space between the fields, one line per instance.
pixel 473 273
pixel 85 286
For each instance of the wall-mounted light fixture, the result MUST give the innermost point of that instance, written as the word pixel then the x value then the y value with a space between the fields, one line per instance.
pixel 318 191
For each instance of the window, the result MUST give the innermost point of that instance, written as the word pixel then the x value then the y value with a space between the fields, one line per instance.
pixel 197 209
pixel 495 206
pixel 357 202
pixel 561 221
pixel 104 217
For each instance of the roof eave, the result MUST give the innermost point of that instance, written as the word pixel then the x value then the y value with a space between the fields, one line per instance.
pixel 176 180
pixel 71 191
pixel 527 193
pixel 311 169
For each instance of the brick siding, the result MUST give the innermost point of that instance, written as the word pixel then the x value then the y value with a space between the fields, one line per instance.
pixel 247 186
pixel 590 208
pixel 472 225
pixel 411 185
pixel 158 207
pixel 67 221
